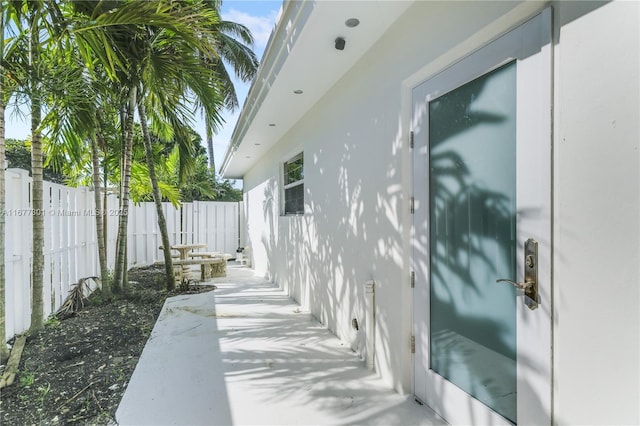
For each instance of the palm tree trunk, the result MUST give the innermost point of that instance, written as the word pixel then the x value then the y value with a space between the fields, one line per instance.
pixel 212 162
pixel 37 274
pixel 102 252
pixel 37 284
pixel 157 198
pixel 105 223
pixel 120 267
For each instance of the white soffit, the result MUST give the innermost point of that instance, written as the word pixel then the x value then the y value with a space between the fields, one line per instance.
pixel 301 55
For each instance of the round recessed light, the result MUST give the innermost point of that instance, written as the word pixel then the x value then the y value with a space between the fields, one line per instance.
pixel 247 156
pixel 352 22
pixel 256 144
pixel 272 124
pixel 298 92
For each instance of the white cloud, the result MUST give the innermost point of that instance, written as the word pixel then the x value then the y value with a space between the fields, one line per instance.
pixel 260 26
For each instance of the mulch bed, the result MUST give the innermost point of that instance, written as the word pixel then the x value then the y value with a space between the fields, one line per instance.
pixel 75 371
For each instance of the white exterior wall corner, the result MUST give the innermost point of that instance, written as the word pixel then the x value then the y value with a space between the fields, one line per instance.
pixel 358 180
pixel 597 214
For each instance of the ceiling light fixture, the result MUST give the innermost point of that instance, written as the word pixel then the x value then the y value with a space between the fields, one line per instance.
pixel 272 124
pixel 298 92
pixel 352 22
pixel 340 42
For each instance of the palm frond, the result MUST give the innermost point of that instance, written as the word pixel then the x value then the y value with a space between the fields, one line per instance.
pixel 237 30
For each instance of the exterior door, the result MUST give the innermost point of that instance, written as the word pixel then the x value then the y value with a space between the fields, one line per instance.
pixel 482 179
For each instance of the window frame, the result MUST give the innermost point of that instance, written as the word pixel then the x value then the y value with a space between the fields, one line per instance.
pixel 286 186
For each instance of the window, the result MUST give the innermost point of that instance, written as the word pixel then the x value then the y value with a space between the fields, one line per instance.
pixel 294 185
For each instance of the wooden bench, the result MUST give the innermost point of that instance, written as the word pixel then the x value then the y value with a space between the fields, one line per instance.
pixel 214 254
pixel 209 268
pixel 211 272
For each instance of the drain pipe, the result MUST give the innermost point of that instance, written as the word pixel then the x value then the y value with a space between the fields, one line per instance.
pixel 371 325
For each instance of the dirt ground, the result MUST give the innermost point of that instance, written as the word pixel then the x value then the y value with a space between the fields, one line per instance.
pixel 75 371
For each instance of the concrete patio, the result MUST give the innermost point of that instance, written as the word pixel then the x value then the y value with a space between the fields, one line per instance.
pixel 245 354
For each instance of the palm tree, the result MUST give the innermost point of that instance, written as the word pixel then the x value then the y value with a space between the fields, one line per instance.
pixel 110 34
pixel 170 71
pixel 40 21
pixel 75 124
pixel 37 14
pixel 47 23
pixel 165 69
pixel 233 42
pixel 144 73
pixel 44 23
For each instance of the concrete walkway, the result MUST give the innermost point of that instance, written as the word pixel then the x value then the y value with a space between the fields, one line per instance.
pixel 244 354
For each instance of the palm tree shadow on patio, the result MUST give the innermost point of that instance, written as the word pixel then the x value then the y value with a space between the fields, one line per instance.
pixel 287 364
pixel 324 257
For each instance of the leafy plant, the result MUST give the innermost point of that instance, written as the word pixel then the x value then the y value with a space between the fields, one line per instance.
pixel 27 378
pixel 18 153
pixel 52 322
pixel 43 391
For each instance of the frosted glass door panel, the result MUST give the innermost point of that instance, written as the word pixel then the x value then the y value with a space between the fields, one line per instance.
pixel 472 203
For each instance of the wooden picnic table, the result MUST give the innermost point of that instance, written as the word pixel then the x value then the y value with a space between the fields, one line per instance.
pixel 183 249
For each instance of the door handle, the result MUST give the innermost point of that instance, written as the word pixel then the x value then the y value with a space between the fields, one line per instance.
pixel 530 284
pixel 519 286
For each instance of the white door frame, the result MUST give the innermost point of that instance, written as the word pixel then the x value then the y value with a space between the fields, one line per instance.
pixel 530 44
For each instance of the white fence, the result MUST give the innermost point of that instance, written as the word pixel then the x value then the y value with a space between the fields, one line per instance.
pixel 213 223
pixel 70 246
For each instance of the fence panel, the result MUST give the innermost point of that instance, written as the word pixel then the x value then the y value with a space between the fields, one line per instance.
pixel 70 245
pixel 188 230
pixel 140 226
pixel 111 219
pixel 70 240
pixel 210 222
pixel 216 223
pixel 18 228
pixel 172 216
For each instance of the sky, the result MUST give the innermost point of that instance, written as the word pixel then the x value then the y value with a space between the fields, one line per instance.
pixel 258 15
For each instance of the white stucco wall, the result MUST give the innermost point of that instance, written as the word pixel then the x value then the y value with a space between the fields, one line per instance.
pixel 357 184
pixel 597 215
pixel 358 180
